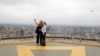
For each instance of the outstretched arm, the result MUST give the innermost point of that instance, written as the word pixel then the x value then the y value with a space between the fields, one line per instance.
pixel 35 21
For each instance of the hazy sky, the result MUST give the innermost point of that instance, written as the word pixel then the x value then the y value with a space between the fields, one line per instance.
pixel 67 12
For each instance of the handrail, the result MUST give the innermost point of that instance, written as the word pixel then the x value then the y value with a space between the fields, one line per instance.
pixel 22 37
pixel 19 37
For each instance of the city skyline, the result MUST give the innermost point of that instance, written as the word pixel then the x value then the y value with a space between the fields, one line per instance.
pixel 63 12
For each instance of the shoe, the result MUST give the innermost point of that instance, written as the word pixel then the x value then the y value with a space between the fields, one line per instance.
pixel 43 44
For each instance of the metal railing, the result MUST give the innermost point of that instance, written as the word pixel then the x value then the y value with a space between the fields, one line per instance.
pixel 55 36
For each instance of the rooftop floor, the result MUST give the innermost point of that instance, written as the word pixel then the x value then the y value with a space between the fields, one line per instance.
pixel 52 48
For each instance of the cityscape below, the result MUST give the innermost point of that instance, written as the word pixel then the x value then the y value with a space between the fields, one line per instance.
pixel 14 30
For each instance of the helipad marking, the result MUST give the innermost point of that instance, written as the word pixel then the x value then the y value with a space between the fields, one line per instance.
pixel 26 50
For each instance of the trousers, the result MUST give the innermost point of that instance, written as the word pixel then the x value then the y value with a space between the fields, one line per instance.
pixel 39 38
pixel 43 39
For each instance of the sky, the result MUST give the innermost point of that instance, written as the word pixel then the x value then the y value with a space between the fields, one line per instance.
pixel 64 12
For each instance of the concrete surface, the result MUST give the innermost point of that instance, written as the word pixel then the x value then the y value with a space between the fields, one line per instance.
pixel 51 49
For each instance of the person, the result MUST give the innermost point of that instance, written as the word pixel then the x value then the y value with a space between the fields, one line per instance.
pixel 44 33
pixel 39 31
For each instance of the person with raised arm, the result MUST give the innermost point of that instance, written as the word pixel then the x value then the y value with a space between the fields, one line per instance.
pixel 39 31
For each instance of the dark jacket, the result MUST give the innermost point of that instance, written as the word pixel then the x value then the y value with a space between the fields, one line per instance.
pixel 38 29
